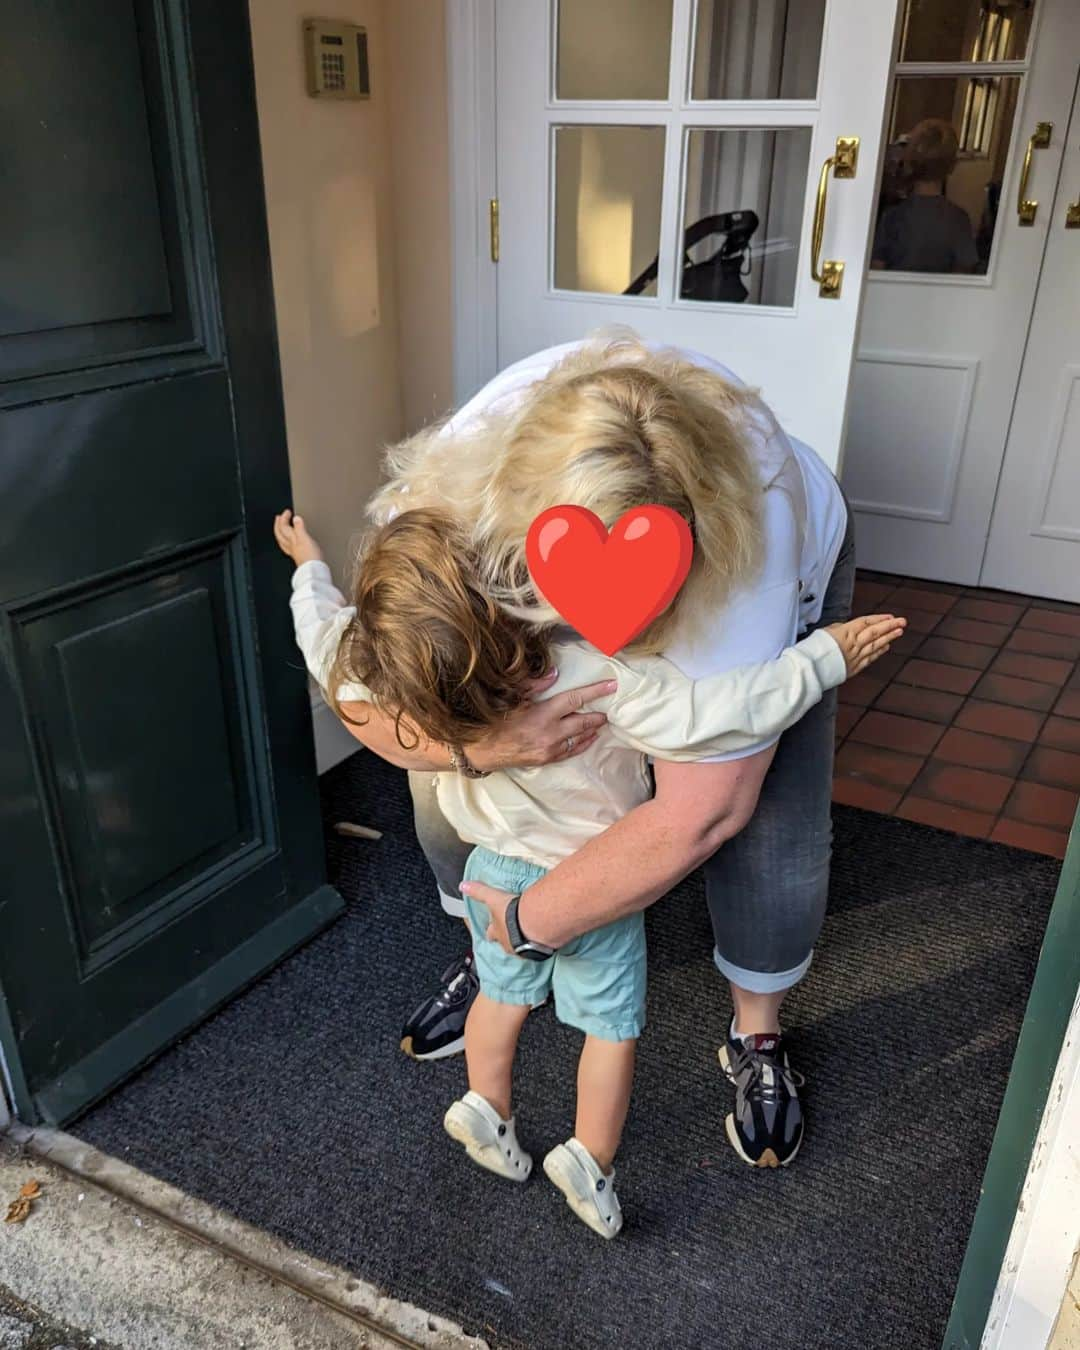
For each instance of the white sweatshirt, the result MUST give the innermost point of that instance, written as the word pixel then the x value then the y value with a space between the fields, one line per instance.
pixel 545 814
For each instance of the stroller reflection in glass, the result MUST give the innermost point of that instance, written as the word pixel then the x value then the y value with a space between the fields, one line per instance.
pixel 718 277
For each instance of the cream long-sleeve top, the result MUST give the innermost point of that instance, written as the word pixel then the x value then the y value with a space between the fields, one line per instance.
pixel 545 814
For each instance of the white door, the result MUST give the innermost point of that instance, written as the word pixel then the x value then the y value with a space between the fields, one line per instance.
pixel 940 348
pixel 1034 543
pixel 623 123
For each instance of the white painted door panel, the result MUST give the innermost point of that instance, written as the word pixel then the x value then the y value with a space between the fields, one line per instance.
pixel 785 338
pixel 939 357
pixel 1034 544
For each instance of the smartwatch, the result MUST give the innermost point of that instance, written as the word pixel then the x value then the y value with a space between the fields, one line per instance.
pixel 523 946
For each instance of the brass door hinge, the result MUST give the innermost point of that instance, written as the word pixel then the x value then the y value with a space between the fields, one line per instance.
pixel 493 225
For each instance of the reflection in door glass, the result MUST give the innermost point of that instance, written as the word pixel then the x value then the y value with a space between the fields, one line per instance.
pixel 965 30
pixel 742 217
pixel 757 49
pixel 613 49
pixel 608 186
pixel 945 163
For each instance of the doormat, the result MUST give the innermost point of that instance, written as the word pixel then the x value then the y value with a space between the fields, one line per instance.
pixel 294 1109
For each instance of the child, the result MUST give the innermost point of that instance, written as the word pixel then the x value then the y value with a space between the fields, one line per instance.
pixel 423 641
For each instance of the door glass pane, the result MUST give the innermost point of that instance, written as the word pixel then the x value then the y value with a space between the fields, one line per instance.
pixel 945 162
pixel 965 30
pixel 613 49
pixel 759 49
pixel 608 185
pixel 745 195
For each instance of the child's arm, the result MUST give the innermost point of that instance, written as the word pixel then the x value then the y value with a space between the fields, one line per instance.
pixel 318 608
pixel 661 712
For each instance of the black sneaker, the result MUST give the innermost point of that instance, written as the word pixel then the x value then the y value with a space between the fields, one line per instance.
pixel 766 1127
pixel 437 1028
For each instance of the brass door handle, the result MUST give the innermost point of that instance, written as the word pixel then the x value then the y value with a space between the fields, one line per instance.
pixel 1038 140
pixel 830 274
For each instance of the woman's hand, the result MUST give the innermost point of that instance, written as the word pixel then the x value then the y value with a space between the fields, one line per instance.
pixel 497 903
pixel 864 639
pixel 293 539
pixel 541 733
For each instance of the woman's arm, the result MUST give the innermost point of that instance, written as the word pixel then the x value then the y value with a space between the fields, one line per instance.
pixel 696 809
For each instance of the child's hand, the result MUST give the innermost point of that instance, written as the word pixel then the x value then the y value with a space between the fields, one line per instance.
pixel 293 539
pixel 863 640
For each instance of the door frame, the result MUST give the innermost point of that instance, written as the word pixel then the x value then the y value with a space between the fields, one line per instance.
pixel 1029 1157
pixel 471 105
pixel 983 1282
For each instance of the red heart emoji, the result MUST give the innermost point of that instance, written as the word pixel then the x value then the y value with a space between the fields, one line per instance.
pixel 609 586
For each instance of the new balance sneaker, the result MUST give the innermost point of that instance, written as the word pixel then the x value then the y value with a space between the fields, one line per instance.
pixel 766 1127
pixel 437 1028
pixel 589 1192
pixel 488 1139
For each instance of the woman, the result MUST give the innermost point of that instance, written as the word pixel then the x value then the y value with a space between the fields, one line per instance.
pixel 609 425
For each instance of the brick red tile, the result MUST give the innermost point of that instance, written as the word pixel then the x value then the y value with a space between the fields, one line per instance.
pixel 996 719
pixel 872 764
pixel 932 705
pixel 937 675
pixel 1056 768
pixel 1062 733
pixel 868 574
pixel 847 715
pixel 954 818
pixel 974 750
pixel 908 734
pixel 1042 668
pixel 974 789
pixel 857 792
pixel 908 642
pixel 1044 644
pixel 869 594
pixel 862 690
pixel 1032 837
pixel 1035 804
pixel 918 620
pixel 1049 621
pixel 1068 705
pixel 973 630
pixel 1018 693
pixel 989 611
pixel 888 667
pixel 971 654
pixel 934 602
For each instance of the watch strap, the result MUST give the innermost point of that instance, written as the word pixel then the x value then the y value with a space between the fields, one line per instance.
pixel 523 946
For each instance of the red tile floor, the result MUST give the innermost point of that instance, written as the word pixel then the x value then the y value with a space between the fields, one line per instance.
pixel 972 721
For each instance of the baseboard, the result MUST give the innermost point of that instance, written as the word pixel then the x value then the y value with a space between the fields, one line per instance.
pixel 332 742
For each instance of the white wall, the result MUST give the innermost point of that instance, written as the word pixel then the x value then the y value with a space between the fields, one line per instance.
pixel 358 204
pixel 357 197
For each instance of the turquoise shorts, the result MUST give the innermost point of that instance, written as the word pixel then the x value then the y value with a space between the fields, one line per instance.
pixel 598 979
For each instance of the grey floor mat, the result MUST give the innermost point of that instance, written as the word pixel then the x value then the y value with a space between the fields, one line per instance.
pixel 294 1109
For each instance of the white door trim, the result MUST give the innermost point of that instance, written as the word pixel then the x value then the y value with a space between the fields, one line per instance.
pixel 470 68
pixel 1042 1247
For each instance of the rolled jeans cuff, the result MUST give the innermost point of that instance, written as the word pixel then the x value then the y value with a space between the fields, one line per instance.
pixel 762 981
pixel 452 904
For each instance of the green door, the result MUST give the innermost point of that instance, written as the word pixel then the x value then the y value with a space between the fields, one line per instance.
pixel 160 840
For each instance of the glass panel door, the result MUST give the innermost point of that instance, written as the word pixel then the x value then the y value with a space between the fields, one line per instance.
pixel 659 165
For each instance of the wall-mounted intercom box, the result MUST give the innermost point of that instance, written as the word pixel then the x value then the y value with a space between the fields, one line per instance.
pixel 336 56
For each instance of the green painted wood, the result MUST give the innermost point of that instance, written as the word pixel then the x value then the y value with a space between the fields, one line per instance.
pixel 159 818
pixel 91 1078
pixel 1042 1034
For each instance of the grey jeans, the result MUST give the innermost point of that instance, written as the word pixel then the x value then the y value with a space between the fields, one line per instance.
pixel 767 887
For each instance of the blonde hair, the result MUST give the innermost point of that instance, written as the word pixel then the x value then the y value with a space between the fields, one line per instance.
pixel 613 425
pixel 426 639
